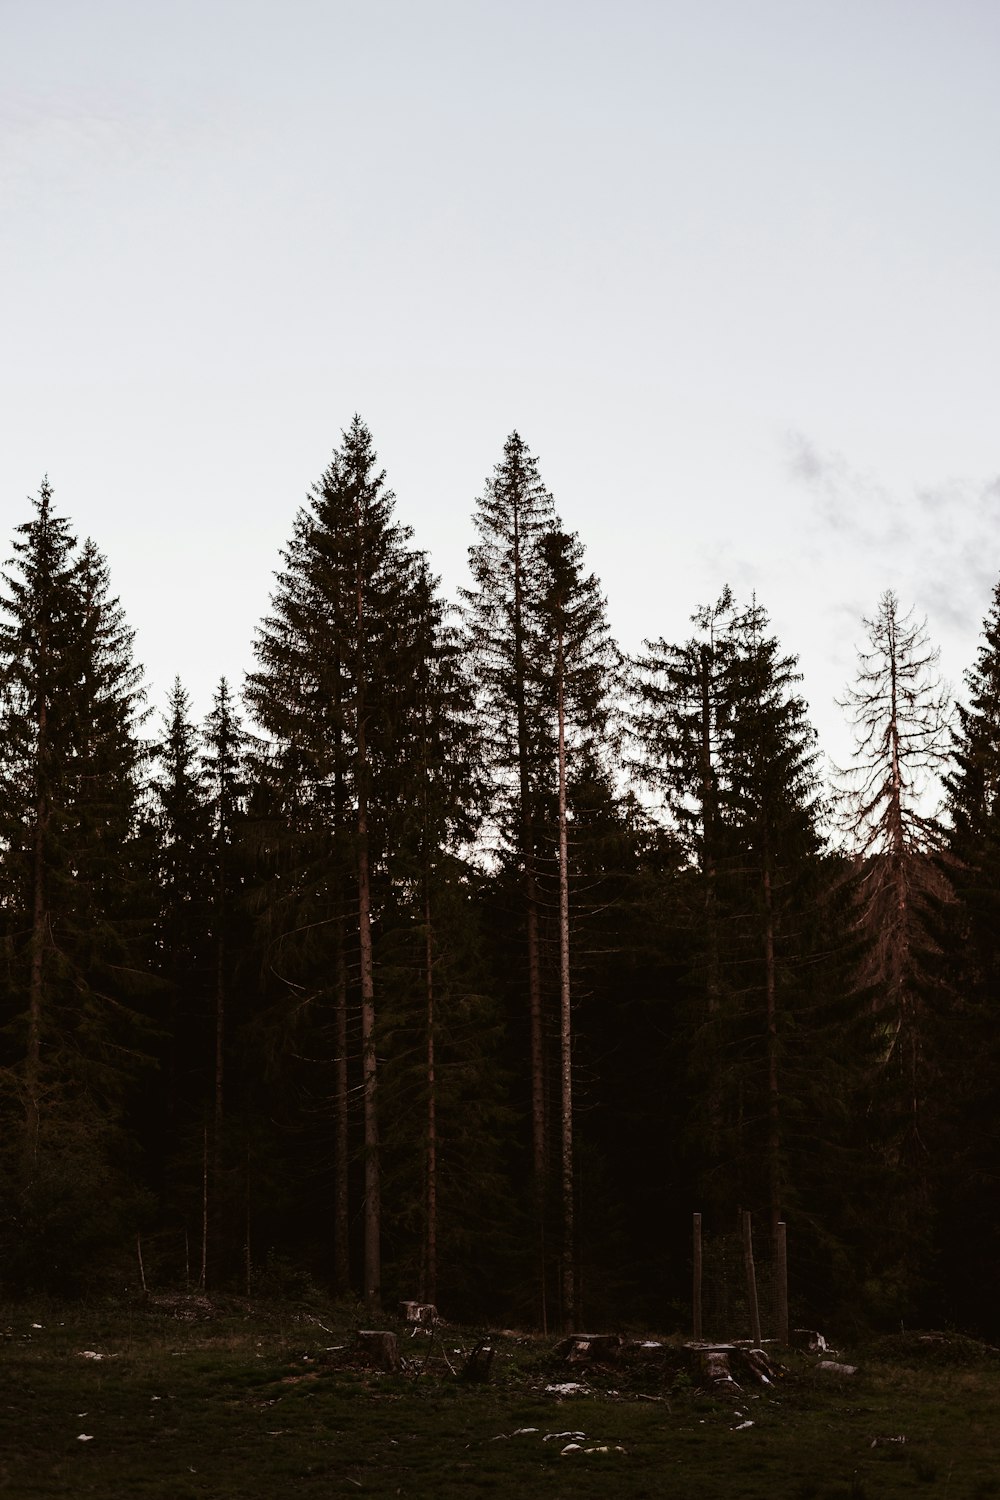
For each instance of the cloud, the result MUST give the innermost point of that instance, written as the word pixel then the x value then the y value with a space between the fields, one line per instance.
pixel 847 501
pixel 804 459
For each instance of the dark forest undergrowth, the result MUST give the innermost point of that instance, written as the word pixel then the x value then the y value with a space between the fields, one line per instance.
pixel 270 1401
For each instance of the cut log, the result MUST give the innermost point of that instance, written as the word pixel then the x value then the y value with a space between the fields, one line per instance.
pixel 834 1367
pixel 379 1349
pixel 760 1366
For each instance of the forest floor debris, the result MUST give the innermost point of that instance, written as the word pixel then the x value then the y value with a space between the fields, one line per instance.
pixel 266 1402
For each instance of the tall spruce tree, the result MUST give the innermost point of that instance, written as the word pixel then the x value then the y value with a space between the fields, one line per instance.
pixel 501 614
pixel 223 758
pixel 438 810
pixel 181 837
pixel 334 664
pixel 577 656
pixel 724 734
pixel 970 1222
pixel 70 710
pixel 771 809
pixel 973 799
pixel 900 713
pixel 680 728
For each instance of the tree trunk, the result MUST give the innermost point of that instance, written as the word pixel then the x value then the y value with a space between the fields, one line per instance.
pixel 429 1292
pixel 565 1025
pixel 373 1205
pixel 218 1095
pixel 341 1122
pixel 39 935
pixel 539 1131
pixel 341 1211
pixel 773 1094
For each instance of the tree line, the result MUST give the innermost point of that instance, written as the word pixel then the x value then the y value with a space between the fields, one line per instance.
pixel 460 957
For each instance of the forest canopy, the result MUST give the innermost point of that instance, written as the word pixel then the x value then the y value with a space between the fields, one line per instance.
pixel 459 957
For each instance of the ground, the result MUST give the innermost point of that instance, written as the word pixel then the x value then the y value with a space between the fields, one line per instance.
pixel 247 1401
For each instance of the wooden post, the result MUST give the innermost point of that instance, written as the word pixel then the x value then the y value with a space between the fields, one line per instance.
pixel 751 1278
pixel 781 1279
pixel 696 1277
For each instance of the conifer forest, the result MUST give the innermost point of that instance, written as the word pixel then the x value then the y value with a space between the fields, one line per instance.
pixel 458 957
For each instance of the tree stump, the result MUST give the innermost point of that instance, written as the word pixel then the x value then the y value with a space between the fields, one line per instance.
pixel 712 1361
pixel 590 1348
pixel 715 1364
pixel 809 1339
pixel 379 1349
pixel 423 1314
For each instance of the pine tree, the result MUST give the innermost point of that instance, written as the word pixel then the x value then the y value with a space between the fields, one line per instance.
pixel 181 835
pixel 771 808
pixel 514 513
pixel 970 1223
pixel 576 654
pixel 223 757
pixel 335 660
pixel 441 756
pixel 680 728
pixel 70 710
pixel 726 737
pixel 182 820
pixel 973 798
pixel 501 618
pixel 900 713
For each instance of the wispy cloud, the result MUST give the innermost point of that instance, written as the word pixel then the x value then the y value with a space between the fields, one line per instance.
pixel 939 543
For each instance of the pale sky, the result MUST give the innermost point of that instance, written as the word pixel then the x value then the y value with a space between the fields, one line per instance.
pixel 729 266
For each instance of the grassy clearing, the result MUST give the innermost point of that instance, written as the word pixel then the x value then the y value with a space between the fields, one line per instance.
pixel 253 1403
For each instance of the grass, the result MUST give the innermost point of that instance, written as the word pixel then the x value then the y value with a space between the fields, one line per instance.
pixel 252 1404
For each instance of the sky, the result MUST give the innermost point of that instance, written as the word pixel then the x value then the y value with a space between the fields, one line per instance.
pixel 728 266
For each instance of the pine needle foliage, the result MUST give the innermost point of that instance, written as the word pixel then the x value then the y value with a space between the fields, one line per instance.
pixel 72 913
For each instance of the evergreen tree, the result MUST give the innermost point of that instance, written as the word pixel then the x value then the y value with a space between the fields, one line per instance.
pixel 70 709
pixel 725 736
pixel 900 713
pixel 335 659
pixel 223 760
pixel 576 653
pixel 181 836
pixel 680 728
pixel 438 805
pixel 513 514
pixel 970 1223
pixel 770 808
pixel 973 799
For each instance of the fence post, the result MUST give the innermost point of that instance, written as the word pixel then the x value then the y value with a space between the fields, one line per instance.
pixel 781 1278
pixel 751 1278
pixel 696 1277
